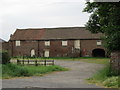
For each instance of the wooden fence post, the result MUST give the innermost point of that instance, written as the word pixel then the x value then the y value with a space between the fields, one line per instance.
pixel 28 61
pixel 17 61
pixel 53 62
pixel 35 62
pixel 45 63
pixel 23 61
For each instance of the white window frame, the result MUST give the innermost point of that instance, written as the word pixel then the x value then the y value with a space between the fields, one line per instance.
pixel 17 43
pixel 77 44
pixel 64 43
pixel 46 53
pixel 99 43
pixel 47 43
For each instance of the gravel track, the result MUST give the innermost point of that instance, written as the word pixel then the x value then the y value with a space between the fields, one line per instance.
pixel 74 78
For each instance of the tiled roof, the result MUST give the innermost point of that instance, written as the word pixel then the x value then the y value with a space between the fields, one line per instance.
pixel 27 34
pixel 54 33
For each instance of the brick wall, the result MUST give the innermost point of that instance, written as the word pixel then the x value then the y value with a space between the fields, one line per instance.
pixel 56 49
pixel 5 46
pixel 115 61
pixel 87 46
pixel 24 49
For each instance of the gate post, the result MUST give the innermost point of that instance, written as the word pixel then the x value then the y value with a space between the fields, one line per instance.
pixel 115 61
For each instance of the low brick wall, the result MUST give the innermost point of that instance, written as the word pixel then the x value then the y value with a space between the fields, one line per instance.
pixel 115 61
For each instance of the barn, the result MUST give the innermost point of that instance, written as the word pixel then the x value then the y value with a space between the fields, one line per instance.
pixel 56 42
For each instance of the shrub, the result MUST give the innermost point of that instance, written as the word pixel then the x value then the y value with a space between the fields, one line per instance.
pixel 5 57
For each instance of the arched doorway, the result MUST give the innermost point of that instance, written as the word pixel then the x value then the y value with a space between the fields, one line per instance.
pixel 98 52
pixel 32 52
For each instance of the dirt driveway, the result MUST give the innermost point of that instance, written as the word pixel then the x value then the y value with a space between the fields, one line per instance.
pixel 74 78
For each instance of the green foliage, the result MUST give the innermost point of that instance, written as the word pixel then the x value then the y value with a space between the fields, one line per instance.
pixel 112 42
pixel 105 18
pixel 105 77
pixel 111 82
pixel 13 70
pixel 5 57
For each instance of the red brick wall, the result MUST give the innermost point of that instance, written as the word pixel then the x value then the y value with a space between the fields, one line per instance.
pixel 87 46
pixel 24 48
pixel 56 49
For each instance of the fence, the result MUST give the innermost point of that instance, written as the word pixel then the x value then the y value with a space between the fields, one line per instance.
pixel 35 62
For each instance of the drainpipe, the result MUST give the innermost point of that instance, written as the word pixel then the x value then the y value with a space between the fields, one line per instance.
pixel 38 48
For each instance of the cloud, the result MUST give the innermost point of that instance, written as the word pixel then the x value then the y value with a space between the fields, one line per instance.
pixel 39 14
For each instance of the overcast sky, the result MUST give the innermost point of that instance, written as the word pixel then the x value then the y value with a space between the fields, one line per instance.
pixel 40 14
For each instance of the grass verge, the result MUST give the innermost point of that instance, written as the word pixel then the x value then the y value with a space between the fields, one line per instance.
pixel 13 70
pixel 105 77
pixel 97 60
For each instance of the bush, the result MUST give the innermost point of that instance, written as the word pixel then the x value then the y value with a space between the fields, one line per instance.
pixel 5 57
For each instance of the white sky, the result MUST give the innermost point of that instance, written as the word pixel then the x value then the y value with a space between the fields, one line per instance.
pixel 40 14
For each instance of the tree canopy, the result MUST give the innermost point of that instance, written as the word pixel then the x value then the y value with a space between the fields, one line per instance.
pixel 105 18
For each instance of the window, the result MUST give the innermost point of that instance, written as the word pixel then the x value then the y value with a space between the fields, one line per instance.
pixel 99 43
pixel 32 52
pixel 46 53
pixel 77 44
pixel 17 43
pixel 64 43
pixel 47 43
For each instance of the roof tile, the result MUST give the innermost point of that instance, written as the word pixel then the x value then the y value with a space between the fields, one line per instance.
pixel 54 33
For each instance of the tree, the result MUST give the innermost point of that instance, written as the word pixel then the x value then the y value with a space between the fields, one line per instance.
pixel 4 57
pixel 105 18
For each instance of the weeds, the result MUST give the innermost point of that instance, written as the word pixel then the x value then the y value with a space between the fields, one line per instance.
pixel 105 77
pixel 13 70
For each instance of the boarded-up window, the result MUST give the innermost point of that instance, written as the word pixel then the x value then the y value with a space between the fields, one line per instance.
pixel 47 43
pixel 99 43
pixel 17 43
pixel 46 53
pixel 32 52
pixel 64 43
pixel 77 44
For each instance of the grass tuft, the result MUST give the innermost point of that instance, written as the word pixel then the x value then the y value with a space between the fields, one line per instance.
pixel 13 70
pixel 105 77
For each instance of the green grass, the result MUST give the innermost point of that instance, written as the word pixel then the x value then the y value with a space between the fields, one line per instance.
pixel 13 70
pixel 97 61
pixel 105 77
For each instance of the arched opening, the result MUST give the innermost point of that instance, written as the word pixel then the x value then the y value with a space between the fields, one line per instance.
pixel 98 53
pixel 32 53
